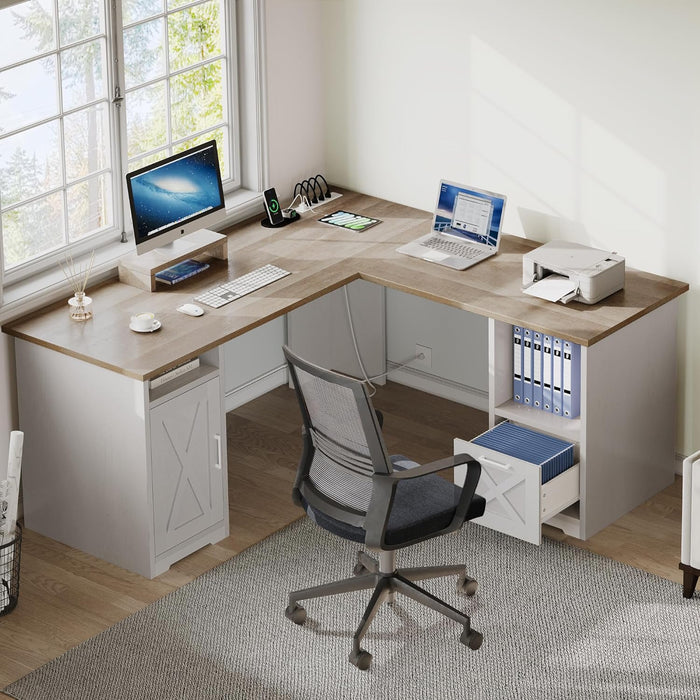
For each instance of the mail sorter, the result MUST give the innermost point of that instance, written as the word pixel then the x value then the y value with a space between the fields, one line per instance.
pixel 546 372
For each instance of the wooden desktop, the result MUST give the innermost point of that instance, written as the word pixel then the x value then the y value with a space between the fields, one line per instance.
pixel 100 476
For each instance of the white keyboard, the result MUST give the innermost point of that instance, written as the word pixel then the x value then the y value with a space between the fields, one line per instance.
pixel 462 250
pixel 235 289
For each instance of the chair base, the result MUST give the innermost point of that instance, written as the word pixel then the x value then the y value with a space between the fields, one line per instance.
pixel 386 580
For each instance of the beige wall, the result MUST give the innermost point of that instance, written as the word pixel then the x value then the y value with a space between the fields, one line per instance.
pixel 587 115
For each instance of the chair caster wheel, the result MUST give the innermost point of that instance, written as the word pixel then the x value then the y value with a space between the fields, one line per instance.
pixel 467 586
pixel 472 639
pixel 296 614
pixel 362 659
pixel 360 569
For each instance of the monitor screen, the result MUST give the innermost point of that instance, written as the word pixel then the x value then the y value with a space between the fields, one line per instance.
pixel 469 213
pixel 175 196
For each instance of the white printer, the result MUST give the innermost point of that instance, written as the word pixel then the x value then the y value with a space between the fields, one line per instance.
pixel 576 271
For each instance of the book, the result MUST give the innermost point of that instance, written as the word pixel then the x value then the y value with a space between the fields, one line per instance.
pixel 174 373
pixel 181 271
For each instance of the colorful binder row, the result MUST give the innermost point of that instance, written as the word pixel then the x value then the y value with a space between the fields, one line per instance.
pixel 546 372
pixel 552 454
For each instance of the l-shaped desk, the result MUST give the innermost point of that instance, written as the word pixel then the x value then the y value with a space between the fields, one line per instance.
pixel 136 474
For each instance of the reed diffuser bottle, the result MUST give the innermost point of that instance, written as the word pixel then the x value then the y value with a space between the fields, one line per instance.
pixel 80 304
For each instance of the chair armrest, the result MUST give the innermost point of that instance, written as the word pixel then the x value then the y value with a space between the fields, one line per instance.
pixel 385 485
pixel 470 481
pixel 429 468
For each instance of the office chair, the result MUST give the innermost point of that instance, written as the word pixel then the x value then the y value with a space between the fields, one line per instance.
pixel 348 484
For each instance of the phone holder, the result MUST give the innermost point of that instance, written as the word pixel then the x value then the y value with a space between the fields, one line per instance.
pixel 265 223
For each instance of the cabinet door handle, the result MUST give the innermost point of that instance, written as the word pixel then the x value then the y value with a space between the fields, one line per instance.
pixel 492 462
pixel 217 437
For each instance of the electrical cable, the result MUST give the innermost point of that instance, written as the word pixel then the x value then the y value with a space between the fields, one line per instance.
pixel 328 189
pixel 315 183
pixel 368 380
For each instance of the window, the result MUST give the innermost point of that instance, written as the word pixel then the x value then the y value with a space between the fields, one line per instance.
pixel 175 70
pixel 71 126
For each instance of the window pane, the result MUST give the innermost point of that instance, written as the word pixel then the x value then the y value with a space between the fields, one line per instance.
pixel 80 19
pixel 144 52
pixel 82 74
pixel 194 35
pixel 33 229
pixel 27 30
pixel 197 100
pixel 174 4
pixel 30 163
pixel 146 123
pixel 89 206
pixel 137 10
pixel 86 135
pixel 221 136
pixel 28 94
pixel 147 160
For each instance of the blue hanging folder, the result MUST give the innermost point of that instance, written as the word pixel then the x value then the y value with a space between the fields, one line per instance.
pixel 553 455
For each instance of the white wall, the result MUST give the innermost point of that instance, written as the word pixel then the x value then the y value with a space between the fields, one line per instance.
pixel 587 115
pixel 295 92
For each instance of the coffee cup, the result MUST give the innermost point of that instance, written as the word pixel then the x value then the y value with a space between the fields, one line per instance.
pixel 143 321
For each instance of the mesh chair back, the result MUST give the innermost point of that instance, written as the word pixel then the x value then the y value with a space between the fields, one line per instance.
pixel 343 429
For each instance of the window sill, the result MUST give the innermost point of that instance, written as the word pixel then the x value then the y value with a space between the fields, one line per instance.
pixel 50 285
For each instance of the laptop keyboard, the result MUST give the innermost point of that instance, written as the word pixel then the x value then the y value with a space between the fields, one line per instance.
pixel 444 245
pixel 235 289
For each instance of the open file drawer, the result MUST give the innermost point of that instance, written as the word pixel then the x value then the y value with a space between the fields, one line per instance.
pixel 517 502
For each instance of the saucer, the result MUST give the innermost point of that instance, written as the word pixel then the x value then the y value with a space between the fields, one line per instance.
pixel 156 325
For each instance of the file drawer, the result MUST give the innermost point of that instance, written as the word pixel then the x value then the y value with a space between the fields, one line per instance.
pixel 517 502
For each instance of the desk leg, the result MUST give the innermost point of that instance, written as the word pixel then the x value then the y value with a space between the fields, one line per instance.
pixel 690 579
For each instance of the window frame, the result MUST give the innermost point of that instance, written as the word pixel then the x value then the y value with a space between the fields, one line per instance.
pixel 40 281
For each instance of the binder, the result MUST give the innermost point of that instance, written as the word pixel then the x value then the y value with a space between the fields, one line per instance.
pixel 527 366
pixel 517 364
pixel 557 405
pixel 537 369
pixel 547 373
pixel 571 379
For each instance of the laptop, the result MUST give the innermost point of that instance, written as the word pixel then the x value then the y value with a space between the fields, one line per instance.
pixel 466 227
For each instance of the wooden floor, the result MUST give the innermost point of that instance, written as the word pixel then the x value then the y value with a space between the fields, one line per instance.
pixel 67 596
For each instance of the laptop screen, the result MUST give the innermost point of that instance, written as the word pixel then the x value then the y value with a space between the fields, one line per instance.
pixel 471 214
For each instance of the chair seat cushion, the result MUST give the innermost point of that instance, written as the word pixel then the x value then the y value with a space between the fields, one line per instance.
pixel 421 507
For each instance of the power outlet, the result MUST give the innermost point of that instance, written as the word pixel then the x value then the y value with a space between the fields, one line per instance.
pixel 424 357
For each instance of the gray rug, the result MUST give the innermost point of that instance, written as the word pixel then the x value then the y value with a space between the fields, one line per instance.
pixel 558 622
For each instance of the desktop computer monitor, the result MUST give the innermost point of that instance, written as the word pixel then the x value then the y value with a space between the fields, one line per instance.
pixel 175 196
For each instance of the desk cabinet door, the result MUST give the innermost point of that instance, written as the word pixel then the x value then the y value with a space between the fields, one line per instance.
pixel 186 470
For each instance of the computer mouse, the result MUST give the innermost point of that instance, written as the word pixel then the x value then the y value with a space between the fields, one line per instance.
pixel 191 309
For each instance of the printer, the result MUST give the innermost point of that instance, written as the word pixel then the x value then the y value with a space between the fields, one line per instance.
pixel 588 274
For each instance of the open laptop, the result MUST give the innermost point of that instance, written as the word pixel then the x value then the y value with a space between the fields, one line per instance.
pixel 466 227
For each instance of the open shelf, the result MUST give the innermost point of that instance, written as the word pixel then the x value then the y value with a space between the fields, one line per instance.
pixel 565 428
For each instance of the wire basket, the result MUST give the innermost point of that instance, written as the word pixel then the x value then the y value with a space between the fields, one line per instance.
pixel 9 572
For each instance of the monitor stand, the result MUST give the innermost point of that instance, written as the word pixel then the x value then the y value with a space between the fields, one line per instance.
pixel 140 270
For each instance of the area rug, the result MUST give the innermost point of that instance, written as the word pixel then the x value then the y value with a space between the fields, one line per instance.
pixel 558 622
